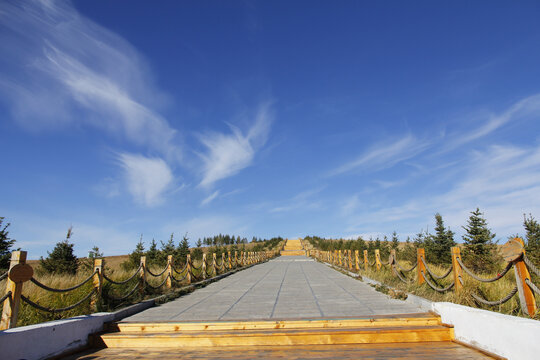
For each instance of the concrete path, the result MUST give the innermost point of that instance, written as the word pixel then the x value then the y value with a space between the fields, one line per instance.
pixel 283 288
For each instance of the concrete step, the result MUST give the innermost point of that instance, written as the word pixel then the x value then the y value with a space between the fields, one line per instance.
pixel 280 337
pixel 426 319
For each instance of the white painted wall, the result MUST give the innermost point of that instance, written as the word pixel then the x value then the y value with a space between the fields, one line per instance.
pixel 52 338
pixel 505 335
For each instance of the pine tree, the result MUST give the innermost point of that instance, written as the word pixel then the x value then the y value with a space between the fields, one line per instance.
pixel 439 250
pixel 134 259
pixel 183 249
pixel 153 255
pixel 532 236
pixel 198 243
pixel 61 260
pixel 479 251
pixel 395 242
pixel 5 245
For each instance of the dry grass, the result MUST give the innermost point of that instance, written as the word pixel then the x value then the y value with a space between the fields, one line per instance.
pixel 489 291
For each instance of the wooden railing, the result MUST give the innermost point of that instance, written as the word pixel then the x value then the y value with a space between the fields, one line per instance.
pixel 513 253
pixel 192 272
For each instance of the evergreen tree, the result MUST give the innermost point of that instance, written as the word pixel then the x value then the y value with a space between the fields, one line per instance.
pixel 438 249
pixel 479 252
pixel 532 236
pixel 198 243
pixel 183 249
pixel 409 251
pixel 395 242
pixel 5 245
pixel 134 259
pixel 88 263
pixel 153 254
pixel 61 260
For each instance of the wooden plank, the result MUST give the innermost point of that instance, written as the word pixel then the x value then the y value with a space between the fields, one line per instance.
pixel 291 324
pixel 422 350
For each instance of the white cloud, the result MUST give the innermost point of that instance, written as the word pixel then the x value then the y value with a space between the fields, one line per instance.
pixel 147 178
pixel 228 154
pixel 300 201
pixel 60 67
pixel 207 200
pixel 384 155
pixel 525 108
pixel 504 181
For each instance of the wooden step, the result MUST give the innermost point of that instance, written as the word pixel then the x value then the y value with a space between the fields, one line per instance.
pixel 292 252
pixel 280 337
pixel 379 322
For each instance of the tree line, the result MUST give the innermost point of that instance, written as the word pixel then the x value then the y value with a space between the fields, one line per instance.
pixel 479 250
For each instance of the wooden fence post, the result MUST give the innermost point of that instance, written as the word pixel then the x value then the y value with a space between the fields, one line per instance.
pixel 169 271
pixel 366 261
pixel 378 259
pixel 97 281
pixel 188 268
pixel 350 259
pixel 223 261
pixel 340 259
pixel 456 268
pixel 229 256
pixel 19 272
pixel 514 250
pixel 392 259
pixel 203 266
pixel 142 275
pixel 420 268
pixel 357 260
pixel 214 263
pixel 236 258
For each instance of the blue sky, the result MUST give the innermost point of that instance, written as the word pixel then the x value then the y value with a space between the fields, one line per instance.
pixel 265 118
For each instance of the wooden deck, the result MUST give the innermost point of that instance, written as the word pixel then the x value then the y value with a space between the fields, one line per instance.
pixel 422 350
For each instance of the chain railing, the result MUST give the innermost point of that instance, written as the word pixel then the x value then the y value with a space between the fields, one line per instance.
pixel 191 272
pixel 513 253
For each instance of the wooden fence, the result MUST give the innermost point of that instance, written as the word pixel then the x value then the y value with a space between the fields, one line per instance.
pixel 192 272
pixel 513 253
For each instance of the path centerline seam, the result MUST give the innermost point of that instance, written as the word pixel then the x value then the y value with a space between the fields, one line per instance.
pixel 312 292
pixel 279 291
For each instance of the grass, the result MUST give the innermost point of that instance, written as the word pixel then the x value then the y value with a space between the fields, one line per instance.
pixel 29 315
pixel 489 291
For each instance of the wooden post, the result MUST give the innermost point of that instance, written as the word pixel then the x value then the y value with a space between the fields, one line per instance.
pixel 97 281
pixel 188 268
pixel 14 283
pixel 235 258
pixel 168 283
pixel 456 268
pixel 229 255
pixel 223 261
pixel 392 259
pixel 366 262
pixel 142 275
pixel 214 263
pixel 357 260
pixel 378 259
pixel 514 250
pixel 420 268
pixel 350 259
pixel 203 266
pixel 340 259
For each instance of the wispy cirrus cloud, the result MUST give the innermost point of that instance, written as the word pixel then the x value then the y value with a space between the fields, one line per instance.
pixel 384 155
pixel 62 67
pixel 228 154
pixel 501 180
pixel 526 108
pixel 207 200
pixel 147 179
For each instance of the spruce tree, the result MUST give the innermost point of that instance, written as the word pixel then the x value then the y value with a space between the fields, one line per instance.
pixel 152 255
pixel 532 236
pixel 183 249
pixel 134 259
pixel 440 244
pixel 395 242
pixel 61 260
pixel 5 245
pixel 479 252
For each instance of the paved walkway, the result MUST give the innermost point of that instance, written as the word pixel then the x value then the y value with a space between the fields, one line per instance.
pixel 283 288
